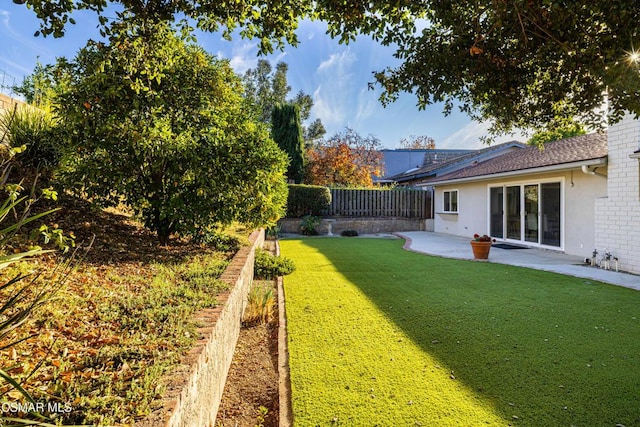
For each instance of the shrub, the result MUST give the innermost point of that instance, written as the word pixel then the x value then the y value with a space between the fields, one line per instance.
pixel 349 233
pixel 267 266
pixel 309 224
pixel 221 240
pixel 307 200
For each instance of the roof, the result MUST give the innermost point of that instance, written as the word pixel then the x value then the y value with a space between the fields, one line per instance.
pixel 400 161
pixel 568 152
pixel 444 164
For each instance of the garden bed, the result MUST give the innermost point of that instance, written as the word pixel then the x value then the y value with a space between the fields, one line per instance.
pixel 123 318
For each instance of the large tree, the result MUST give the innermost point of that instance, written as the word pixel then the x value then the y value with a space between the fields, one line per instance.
pixel 267 88
pixel 522 63
pixel 273 23
pixel 159 124
pixel 519 63
pixel 287 133
pixel 345 160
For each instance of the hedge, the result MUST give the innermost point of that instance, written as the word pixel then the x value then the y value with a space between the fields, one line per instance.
pixel 307 200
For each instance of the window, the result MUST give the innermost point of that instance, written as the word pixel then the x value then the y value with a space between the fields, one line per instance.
pixel 450 201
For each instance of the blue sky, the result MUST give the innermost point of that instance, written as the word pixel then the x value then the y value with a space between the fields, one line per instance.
pixel 335 75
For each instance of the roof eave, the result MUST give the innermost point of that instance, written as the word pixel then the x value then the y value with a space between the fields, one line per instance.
pixel 563 166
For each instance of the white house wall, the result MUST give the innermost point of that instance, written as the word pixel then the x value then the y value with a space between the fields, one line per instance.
pixel 579 215
pixel 617 225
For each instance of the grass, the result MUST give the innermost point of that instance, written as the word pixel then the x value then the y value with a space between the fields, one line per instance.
pixel 382 336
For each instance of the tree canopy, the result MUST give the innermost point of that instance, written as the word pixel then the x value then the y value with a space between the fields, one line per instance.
pixel 160 125
pixel 521 63
pixel 345 160
pixel 267 88
pixel 518 63
pixel 273 23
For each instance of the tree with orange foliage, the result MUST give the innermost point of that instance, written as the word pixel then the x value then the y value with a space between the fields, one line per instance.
pixel 345 160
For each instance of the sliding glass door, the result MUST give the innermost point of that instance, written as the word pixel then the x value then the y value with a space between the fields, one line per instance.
pixel 514 223
pixel 529 213
pixel 531 220
pixel 496 212
pixel 550 209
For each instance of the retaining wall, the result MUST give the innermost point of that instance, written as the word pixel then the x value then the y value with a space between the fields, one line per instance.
pixel 193 395
pixel 361 225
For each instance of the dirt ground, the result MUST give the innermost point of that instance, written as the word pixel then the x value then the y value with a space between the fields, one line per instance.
pixel 250 395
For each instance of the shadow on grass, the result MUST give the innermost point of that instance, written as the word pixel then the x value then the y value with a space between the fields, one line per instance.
pixel 553 349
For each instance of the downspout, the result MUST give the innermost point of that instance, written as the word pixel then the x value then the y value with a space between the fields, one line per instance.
pixel 587 170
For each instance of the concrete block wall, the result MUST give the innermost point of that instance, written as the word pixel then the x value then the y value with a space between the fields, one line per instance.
pixel 7 103
pixel 361 225
pixel 195 389
pixel 617 216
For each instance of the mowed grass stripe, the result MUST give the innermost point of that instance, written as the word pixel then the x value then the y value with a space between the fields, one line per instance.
pixel 382 336
pixel 352 365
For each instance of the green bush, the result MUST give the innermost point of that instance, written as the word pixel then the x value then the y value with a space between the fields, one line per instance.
pixel 267 266
pixel 220 240
pixel 307 200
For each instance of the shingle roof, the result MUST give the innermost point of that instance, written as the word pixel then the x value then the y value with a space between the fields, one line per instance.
pixel 565 151
pixel 430 167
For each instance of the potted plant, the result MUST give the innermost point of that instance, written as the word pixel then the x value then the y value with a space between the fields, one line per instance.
pixel 481 245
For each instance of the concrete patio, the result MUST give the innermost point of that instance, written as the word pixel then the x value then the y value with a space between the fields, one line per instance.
pixel 449 246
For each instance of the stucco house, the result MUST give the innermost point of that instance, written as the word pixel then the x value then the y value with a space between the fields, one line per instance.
pixel 530 197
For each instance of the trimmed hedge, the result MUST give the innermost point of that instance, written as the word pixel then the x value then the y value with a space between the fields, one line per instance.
pixel 307 200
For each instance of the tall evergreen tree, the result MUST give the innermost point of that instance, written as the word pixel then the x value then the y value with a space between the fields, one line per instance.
pixel 266 88
pixel 287 132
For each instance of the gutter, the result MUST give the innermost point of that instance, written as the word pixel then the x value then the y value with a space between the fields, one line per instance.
pixel 564 166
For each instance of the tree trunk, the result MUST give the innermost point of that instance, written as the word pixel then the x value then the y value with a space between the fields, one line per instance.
pixel 163 228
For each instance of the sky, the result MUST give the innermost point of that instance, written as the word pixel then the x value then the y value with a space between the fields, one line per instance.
pixel 336 76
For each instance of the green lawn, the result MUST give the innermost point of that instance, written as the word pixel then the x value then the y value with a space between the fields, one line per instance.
pixel 382 336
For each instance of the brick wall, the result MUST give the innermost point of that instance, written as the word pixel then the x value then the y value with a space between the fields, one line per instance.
pixel 617 219
pixel 195 390
pixel 7 103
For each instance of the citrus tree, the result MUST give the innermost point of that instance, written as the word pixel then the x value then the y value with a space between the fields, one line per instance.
pixel 156 123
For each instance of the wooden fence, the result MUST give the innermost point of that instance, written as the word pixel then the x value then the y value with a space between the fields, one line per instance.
pixel 400 203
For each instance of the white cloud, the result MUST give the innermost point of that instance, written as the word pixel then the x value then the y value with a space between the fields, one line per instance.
pixel 338 63
pixel 243 56
pixel 334 93
pixel 368 105
pixel 15 66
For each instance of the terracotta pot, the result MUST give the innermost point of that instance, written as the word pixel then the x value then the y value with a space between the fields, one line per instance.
pixel 480 249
